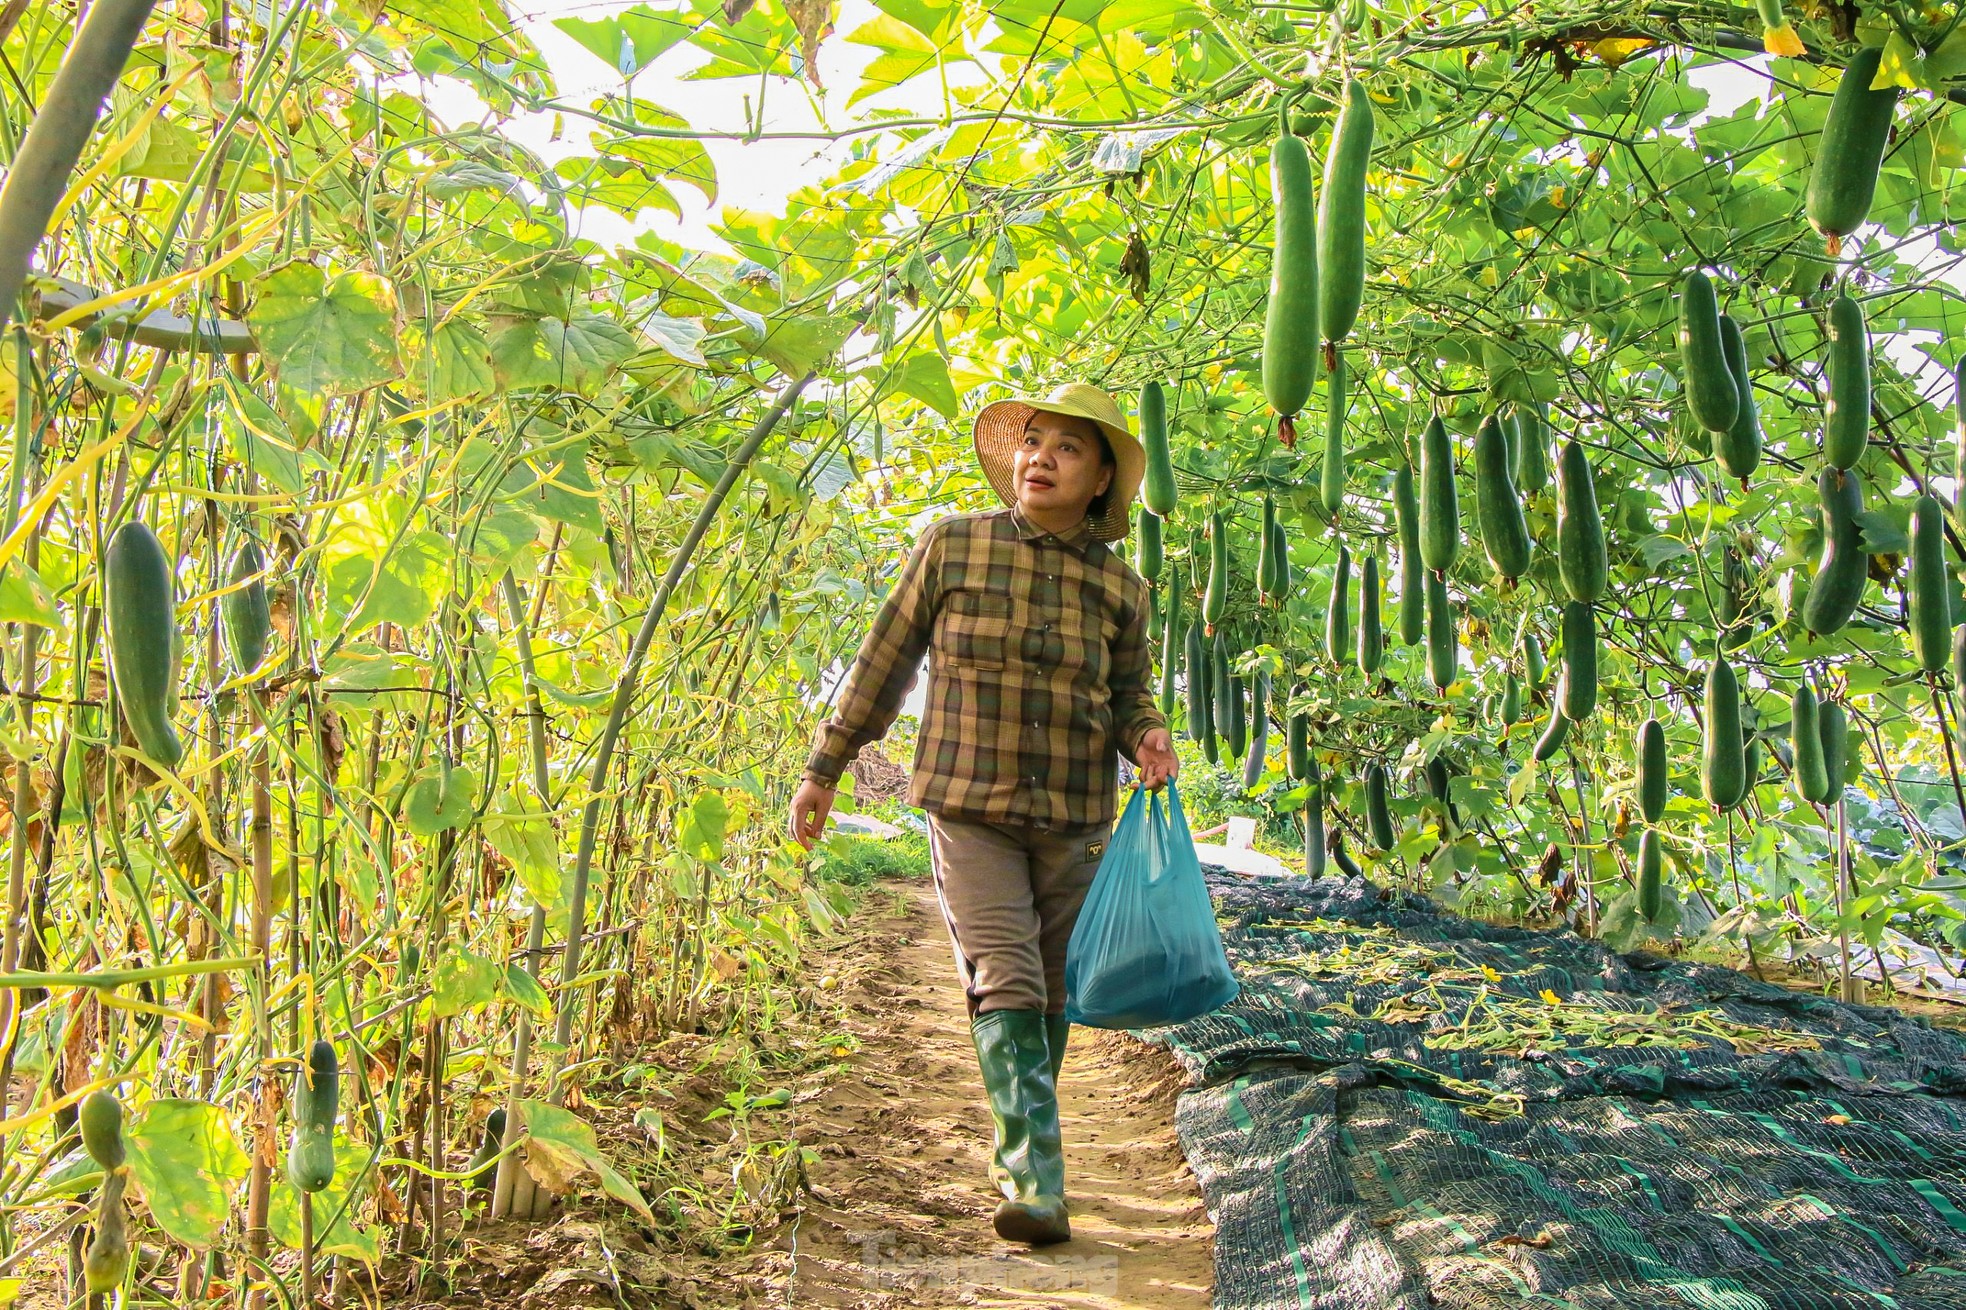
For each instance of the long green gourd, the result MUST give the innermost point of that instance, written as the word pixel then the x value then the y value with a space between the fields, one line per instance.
pixel 245 612
pixel 1712 395
pixel 1157 486
pixel 1959 442
pixel 1259 729
pixel 1412 569
pixel 1215 601
pixel 1651 875
pixel 1147 556
pixel 1200 700
pixel 1530 647
pixel 1498 511
pixel 1581 561
pixel 1738 449
pixel 1338 612
pixel 1579 661
pixel 1837 772
pixel 317 1096
pixel 1171 650
pixel 1532 450
pixel 1290 327
pixel 1231 712
pixel 1341 216
pixel 1846 418
pixel 1844 566
pixel 1654 779
pixel 1844 180
pixel 1266 545
pixel 1929 593
pixel 1371 639
pixel 1440 505
pixel 1511 706
pixel 1443 643
pixel 1331 474
pixel 1723 759
pixel 1554 732
pixel 141 614
pixel 1811 777
pixel 1378 807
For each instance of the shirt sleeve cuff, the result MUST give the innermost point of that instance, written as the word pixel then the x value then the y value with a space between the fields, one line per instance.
pixel 825 769
pixel 1137 730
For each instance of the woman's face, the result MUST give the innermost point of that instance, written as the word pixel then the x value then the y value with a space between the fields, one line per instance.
pixel 1059 467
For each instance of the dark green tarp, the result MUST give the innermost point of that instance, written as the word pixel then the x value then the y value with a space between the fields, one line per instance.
pixel 1405 1109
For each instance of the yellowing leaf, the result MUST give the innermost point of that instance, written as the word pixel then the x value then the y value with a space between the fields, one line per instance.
pixel 561 1147
pixel 464 981
pixel 24 598
pixel 324 334
pixel 1902 65
pixel 188 1163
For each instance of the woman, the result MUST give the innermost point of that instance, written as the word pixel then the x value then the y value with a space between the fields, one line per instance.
pixel 1038 678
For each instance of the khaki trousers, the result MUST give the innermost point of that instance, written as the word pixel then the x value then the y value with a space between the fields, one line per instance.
pixel 1010 895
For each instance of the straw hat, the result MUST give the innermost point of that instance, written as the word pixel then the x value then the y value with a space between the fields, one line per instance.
pixel 1000 429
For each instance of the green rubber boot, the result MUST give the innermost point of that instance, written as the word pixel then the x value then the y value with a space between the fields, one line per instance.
pixel 1056 1029
pixel 1028 1165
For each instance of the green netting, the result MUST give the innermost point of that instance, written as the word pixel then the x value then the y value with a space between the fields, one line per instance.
pixel 1407 1109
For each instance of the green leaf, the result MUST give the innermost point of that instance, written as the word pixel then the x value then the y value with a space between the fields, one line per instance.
pixel 452 363
pixel 561 1147
pixel 527 841
pixel 630 41
pixel 494 538
pixel 700 827
pixel 529 353
pixel 322 334
pixel 926 378
pixel 464 981
pixel 25 598
pixel 260 439
pixel 440 799
pixel 335 1206
pixel 682 338
pixel 800 343
pixel 523 988
pixel 188 1164
pixel 556 483
pixel 403 587
pixel 463 176
pixel 1882 533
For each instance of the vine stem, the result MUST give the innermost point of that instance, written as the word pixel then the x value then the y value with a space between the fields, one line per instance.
pixel 1945 735
pixel 1846 985
pixel 624 696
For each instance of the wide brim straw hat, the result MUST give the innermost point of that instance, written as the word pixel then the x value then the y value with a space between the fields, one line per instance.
pixel 1000 429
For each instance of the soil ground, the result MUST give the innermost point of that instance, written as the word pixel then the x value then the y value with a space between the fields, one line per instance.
pixel 899 1206
pixel 895 1207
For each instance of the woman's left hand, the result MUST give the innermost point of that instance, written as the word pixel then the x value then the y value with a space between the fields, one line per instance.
pixel 1156 759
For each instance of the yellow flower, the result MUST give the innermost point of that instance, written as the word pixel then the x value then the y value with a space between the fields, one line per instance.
pixel 1551 998
pixel 1488 972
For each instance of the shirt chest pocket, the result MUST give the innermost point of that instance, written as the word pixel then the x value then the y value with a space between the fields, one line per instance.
pixel 976 628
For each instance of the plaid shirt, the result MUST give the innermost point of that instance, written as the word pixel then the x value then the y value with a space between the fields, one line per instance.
pixel 1038 673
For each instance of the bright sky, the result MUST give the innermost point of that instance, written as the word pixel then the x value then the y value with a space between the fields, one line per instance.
pixel 756 176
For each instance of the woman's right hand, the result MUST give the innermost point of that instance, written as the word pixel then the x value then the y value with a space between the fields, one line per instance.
pixel 810 806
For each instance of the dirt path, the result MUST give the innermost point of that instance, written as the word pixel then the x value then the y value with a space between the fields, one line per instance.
pixel 900 1214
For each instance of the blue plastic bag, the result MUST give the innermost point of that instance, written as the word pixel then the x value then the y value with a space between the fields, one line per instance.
pixel 1145 950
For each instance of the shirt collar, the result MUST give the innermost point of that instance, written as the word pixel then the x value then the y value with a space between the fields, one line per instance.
pixel 1077 536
